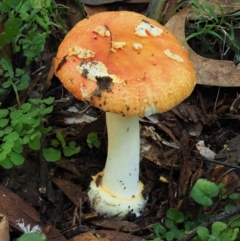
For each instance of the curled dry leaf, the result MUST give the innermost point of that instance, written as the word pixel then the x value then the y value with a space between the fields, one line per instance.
pixel 209 71
pixel 105 235
pixel 227 6
pixel 4 228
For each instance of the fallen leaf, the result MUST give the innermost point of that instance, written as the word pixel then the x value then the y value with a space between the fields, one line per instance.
pixel 209 71
pixel 105 235
pixel 72 191
pixel 4 228
pixel 113 224
pixel 16 209
pixel 231 151
pixel 227 6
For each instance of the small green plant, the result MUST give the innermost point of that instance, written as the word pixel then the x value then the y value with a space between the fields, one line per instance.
pixel 30 234
pixel 203 192
pixel 32 237
pixel 53 154
pixel 177 224
pixel 216 32
pixel 27 24
pixel 22 126
pixel 92 140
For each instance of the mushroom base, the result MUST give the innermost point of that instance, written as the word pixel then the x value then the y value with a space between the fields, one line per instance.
pixel 108 205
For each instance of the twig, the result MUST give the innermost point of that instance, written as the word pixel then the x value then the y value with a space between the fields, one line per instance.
pixel 221 216
pixel 221 163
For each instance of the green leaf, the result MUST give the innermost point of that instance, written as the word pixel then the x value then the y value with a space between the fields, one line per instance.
pixel 24 82
pixel 2 133
pixel 92 140
pixel 235 223
pixel 170 236
pixel 46 130
pixel 159 230
pixel 175 215
pixel 203 233
pixel 19 72
pixel 8 130
pixel 17 125
pixel 61 139
pixel 35 142
pixel 72 144
pixel 37 123
pixel 16 114
pixel 33 112
pixel 235 234
pixel 46 111
pixel 26 107
pixel 24 16
pixel 48 100
pixel 234 197
pixel 3 122
pixel 202 192
pixel 190 225
pixel 13 136
pixel 6 84
pixel 32 237
pixel 3 155
pixel 30 131
pixel 51 154
pixel 55 143
pixel 18 146
pixel 218 227
pixel 68 151
pixel 7 164
pixel 16 158
pixel 3 113
pixel 27 120
pixel 4 7
pixel 178 233
pixel 25 140
pixel 8 145
pixel 13 23
pixel 92 137
pixel 169 223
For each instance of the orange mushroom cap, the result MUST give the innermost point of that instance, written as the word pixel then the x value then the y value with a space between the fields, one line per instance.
pixel 125 63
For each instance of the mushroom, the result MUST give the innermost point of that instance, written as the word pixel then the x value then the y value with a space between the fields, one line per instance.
pixel 129 66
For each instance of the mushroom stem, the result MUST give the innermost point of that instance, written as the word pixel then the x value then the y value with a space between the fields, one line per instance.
pixel 121 173
pixel 119 190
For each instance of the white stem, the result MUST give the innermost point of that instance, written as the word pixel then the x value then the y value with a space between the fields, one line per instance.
pixel 121 173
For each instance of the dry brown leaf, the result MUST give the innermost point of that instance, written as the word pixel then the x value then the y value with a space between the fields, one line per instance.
pixel 227 6
pixel 91 10
pixel 209 71
pixel 72 191
pixel 113 224
pixel 75 14
pixel 4 228
pixel 231 182
pixel 17 209
pixel 105 235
